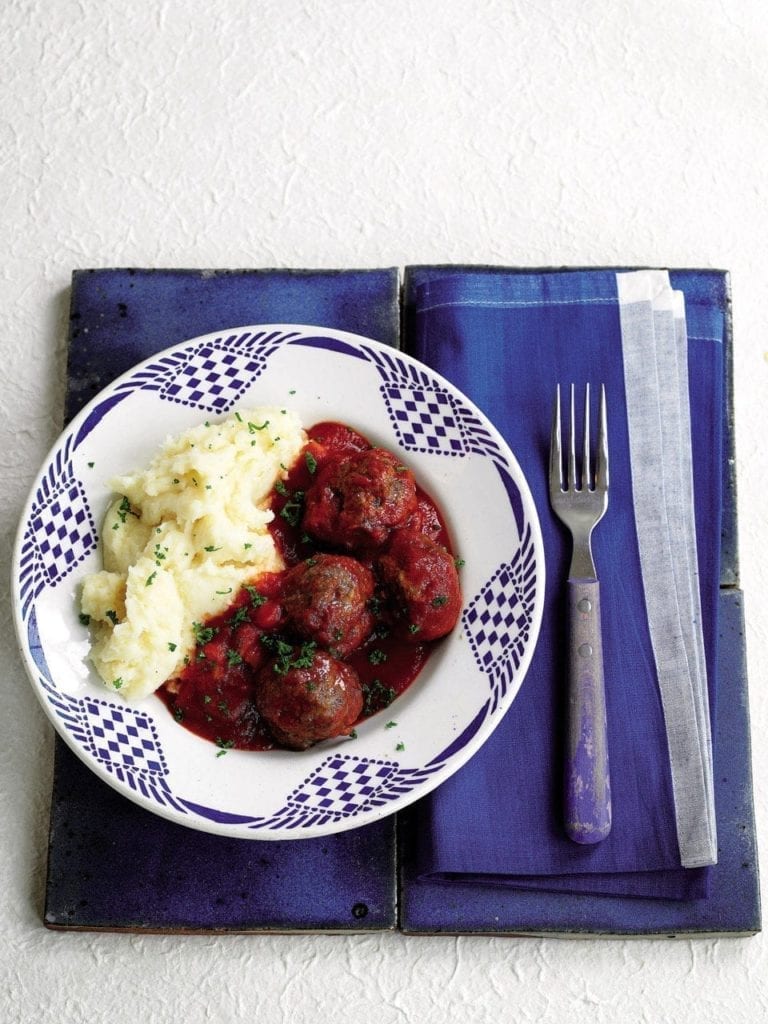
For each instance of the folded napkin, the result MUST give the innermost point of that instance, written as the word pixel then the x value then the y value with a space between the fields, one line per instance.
pixel 506 339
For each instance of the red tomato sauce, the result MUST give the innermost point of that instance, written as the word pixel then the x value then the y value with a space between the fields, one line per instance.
pixel 213 696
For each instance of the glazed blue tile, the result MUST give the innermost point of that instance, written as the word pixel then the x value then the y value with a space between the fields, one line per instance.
pixel 111 864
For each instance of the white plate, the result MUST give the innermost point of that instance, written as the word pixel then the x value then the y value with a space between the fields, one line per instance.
pixel 442 719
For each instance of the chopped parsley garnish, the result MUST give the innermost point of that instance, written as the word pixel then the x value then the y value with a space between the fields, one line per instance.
pixel 150 579
pixel 281 489
pixel 233 657
pixel 376 696
pixel 240 615
pixel 117 683
pixel 390 725
pixel 439 601
pixel 85 620
pixel 413 628
pixel 377 656
pixel 353 735
pixel 400 746
pixel 203 634
pixel 247 545
pixel 172 646
pixel 124 510
pixel 178 714
pixel 459 562
pixel 292 509
pixel 257 599
pixel 211 547
pixel 285 654
pixel 112 616
pixel 311 461
pixel 225 746
pixel 253 427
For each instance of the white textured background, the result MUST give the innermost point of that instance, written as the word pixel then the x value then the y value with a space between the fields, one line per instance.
pixel 306 133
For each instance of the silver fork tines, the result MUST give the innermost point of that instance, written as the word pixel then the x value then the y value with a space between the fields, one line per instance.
pixel 581 499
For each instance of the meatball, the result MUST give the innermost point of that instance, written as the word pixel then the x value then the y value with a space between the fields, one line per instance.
pixel 325 599
pixel 355 502
pixel 421 579
pixel 303 705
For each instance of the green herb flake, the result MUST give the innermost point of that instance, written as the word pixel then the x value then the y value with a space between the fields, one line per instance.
pixel 117 683
pixel 225 745
pixel 377 656
pixel 311 461
pixel 91 465
pixel 390 725
pixel 439 601
pixel 112 616
pixel 413 628
pixel 178 714
pixel 85 620
pixel 253 427
pixel 203 634
pixel 150 579
pixel 459 563
pixel 257 599
pixel 233 657
pixel 211 547
pixel 281 489
pixel 353 735
pixel 400 746
pixel 124 510
pixel 241 615
pixel 172 646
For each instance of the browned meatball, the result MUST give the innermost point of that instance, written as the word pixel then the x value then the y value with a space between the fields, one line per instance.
pixel 326 599
pixel 421 578
pixel 303 705
pixel 355 502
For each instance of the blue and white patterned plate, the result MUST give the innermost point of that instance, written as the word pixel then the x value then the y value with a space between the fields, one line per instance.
pixel 452 707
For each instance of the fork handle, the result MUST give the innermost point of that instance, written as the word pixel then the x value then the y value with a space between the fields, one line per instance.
pixel 587 781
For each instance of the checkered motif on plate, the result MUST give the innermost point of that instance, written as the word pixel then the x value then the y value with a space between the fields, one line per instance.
pixel 62 529
pixel 122 738
pixel 499 618
pixel 342 785
pixel 213 376
pixel 425 419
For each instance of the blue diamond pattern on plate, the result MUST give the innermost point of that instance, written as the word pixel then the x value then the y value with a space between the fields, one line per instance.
pixel 120 737
pixel 342 785
pixel 213 376
pixel 424 419
pixel 498 619
pixel 60 530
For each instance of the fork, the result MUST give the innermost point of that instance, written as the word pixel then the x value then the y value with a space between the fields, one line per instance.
pixel 580 505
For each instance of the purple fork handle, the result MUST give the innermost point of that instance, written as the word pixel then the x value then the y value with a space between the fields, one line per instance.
pixel 587 782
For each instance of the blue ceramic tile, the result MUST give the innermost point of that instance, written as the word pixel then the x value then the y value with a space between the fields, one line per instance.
pixel 112 864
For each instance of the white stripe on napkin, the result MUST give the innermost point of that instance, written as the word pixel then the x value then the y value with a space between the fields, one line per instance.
pixel 655 351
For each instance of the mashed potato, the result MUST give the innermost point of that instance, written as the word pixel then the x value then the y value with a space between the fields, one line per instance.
pixel 180 539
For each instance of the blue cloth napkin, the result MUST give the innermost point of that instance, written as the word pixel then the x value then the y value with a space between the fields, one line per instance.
pixel 506 339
